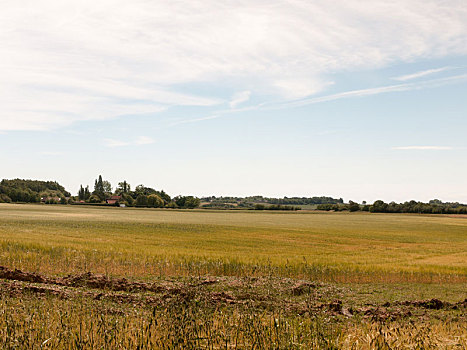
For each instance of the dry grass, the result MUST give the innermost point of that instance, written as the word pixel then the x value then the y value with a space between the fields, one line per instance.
pixel 49 323
pixel 284 280
pixel 138 243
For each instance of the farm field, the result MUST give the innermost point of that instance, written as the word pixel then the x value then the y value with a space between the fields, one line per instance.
pixel 123 277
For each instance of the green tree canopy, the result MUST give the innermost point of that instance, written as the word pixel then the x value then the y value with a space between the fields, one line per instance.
pixel 19 190
pixel 155 201
pixel 122 187
pixel 141 200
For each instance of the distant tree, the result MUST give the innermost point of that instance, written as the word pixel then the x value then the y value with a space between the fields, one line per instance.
pixel 141 200
pixel 328 207
pixel 94 199
pixel 437 210
pixel 123 187
pixel 165 197
pixel 99 184
pixel 81 192
pixel 260 207
pixel 107 187
pixel 180 201
pixel 141 189
pixel 188 202
pixel 155 201
pixel 19 190
pixel 87 193
pixel 192 202
pixel 379 207
pixel 353 206
pixel 393 207
pixel 51 201
pixel 4 198
pixel 99 189
pixel 129 201
pixel 171 205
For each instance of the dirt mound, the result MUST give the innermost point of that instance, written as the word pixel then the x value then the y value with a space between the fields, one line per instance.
pixel 382 313
pixel 260 294
pixel 18 275
pixel 206 282
pixel 302 288
pixel 16 288
pixel 335 306
pixel 103 282
pixel 436 304
pixel 88 280
pixel 222 297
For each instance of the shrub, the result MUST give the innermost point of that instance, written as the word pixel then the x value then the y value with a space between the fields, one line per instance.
pixel 4 198
pixel 142 200
pixel 94 199
pixel 155 201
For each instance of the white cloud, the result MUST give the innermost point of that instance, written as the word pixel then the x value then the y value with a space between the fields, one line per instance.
pixel 421 74
pixel 341 95
pixel 67 61
pixel 368 92
pixel 140 140
pixel 115 143
pixel 194 120
pixel 144 140
pixel 51 153
pixel 239 98
pixel 424 148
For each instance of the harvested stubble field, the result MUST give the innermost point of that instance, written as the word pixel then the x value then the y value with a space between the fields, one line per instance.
pixel 94 277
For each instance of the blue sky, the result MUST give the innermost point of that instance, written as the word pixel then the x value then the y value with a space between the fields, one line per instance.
pixel 357 100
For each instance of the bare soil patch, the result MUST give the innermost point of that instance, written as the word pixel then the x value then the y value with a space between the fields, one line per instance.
pixel 284 294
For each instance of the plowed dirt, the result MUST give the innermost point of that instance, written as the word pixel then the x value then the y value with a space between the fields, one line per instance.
pixel 297 297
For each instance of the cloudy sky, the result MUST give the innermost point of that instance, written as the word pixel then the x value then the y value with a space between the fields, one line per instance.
pixel 355 99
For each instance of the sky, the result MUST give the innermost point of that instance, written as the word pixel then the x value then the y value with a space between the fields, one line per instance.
pixel 354 99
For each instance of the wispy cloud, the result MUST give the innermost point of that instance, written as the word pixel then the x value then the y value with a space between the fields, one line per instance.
pixel 140 140
pixel 64 62
pixel 369 92
pixel 239 98
pixel 51 153
pixel 332 97
pixel 421 74
pixel 115 143
pixel 144 140
pixel 424 148
pixel 194 120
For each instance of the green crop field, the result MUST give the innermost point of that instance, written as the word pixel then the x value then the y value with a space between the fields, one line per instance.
pixel 244 279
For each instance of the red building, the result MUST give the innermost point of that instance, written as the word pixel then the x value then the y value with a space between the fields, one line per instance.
pixel 113 199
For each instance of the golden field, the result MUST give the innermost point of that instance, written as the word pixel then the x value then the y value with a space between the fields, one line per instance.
pixel 142 242
pixel 124 278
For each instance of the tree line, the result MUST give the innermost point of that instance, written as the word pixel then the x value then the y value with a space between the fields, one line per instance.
pixel 141 196
pixel 50 192
pixel 252 202
pixel 434 206
pixel 276 207
pixel 31 191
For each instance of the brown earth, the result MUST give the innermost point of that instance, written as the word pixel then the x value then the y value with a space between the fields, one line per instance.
pixel 287 295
